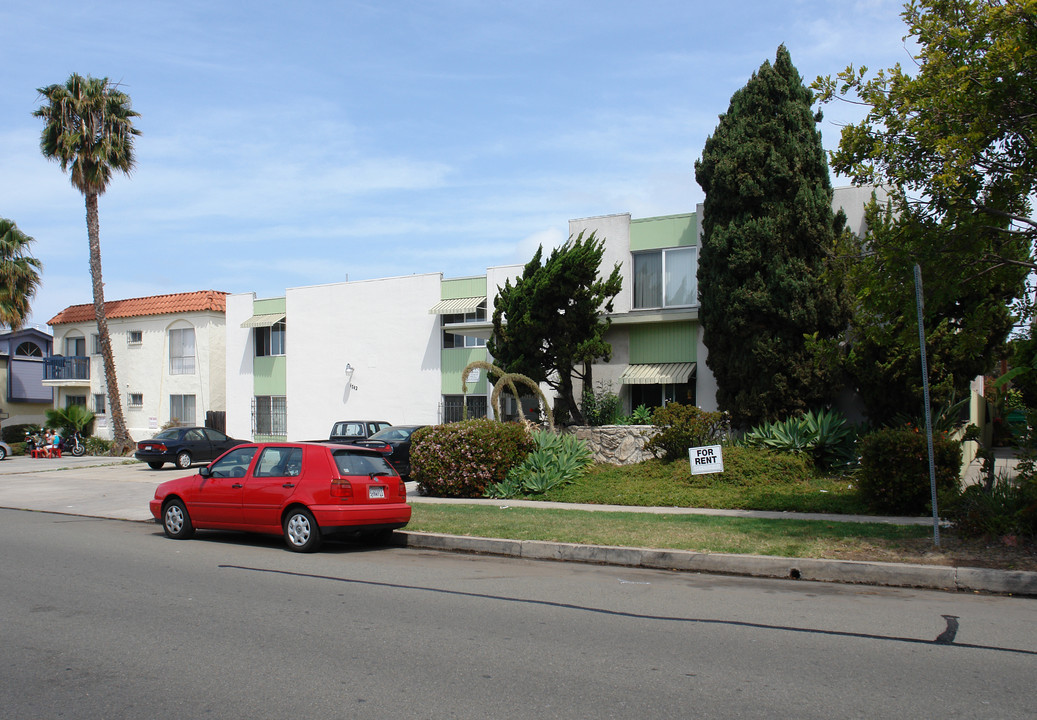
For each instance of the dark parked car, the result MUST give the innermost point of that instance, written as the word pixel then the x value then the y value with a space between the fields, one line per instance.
pixel 302 491
pixel 394 443
pixel 183 446
pixel 347 431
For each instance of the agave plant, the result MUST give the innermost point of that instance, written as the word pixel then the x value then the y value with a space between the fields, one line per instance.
pixel 824 435
pixel 557 460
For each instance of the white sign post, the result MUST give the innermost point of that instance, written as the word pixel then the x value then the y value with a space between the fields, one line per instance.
pixel 709 459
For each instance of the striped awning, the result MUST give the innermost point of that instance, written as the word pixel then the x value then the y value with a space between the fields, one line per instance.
pixel 657 374
pixel 266 320
pixel 457 306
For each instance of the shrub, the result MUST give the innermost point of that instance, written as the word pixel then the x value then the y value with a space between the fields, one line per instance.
pixel 894 470
pixel 463 459
pixel 757 467
pixel 97 446
pixel 16 433
pixel 685 426
pixel 557 460
pixel 601 406
pixel 1008 508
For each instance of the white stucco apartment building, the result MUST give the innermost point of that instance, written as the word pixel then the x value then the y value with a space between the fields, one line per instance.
pixel 394 349
pixel 169 355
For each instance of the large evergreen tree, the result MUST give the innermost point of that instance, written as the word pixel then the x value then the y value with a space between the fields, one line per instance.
pixel 548 325
pixel 767 228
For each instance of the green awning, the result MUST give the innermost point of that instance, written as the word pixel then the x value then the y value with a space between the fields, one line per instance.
pixel 657 374
pixel 457 306
pixel 266 320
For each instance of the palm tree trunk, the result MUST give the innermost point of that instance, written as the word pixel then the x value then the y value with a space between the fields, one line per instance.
pixel 123 443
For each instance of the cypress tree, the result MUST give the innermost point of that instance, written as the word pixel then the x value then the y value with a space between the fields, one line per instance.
pixel 767 224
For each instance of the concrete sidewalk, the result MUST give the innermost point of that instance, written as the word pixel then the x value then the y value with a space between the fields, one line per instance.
pixel 120 489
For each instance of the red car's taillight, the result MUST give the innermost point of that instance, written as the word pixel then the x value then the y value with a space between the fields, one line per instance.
pixel 340 487
pixel 403 489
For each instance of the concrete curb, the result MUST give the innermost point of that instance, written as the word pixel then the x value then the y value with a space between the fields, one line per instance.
pixel 934 577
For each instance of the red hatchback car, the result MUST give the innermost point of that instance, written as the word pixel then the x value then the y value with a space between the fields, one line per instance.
pixel 303 491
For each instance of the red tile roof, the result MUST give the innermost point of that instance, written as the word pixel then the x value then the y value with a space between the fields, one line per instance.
pixel 215 300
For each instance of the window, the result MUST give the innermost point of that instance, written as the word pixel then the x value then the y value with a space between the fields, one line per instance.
pixel 97 344
pixel 71 400
pixel 279 462
pixel 28 349
pixel 460 407
pixel 135 337
pixel 181 409
pixel 665 278
pixel 75 347
pixel 270 340
pixel 270 415
pixel 100 403
pixel 456 340
pixel 136 400
pixel 181 351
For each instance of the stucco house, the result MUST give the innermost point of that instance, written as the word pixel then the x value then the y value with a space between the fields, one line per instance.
pixel 395 348
pixel 169 359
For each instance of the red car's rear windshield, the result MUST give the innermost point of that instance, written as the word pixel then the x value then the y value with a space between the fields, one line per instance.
pixel 353 462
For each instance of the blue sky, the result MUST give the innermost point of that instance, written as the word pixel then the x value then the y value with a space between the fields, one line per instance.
pixel 299 143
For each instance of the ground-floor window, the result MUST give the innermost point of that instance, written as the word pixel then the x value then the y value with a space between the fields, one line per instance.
pixel 182 409
pixel 100 403
pixel 270 415
pixel 71 400
pixel 454 407
pixel 654 396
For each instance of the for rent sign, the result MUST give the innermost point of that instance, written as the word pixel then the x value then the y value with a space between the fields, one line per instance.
pixel 707 459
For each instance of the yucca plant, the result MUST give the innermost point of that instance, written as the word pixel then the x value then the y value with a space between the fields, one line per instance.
pixel 824 435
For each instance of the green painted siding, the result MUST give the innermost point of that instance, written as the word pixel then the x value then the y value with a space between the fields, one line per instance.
pixel 454 361
pixel 271 305
pixel 663 343
pixel 463 288
pixel 663 232
pixel 269 375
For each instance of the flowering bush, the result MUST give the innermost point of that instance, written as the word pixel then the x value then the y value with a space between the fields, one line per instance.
pixel 463 459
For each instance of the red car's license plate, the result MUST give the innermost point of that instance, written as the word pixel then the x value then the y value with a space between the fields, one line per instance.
pixel 376 491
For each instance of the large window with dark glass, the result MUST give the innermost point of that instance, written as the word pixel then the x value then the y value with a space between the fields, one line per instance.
pixel 457 340
pixel 270 340
pixel 665 278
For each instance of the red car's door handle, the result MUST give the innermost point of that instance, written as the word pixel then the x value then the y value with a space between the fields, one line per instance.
pixel 288 485
pixel 237 485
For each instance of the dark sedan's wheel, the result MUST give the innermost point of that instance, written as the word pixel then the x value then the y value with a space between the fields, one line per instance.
pixel 155 466
pixel 183 460
pixel 175 521
pixel 301 533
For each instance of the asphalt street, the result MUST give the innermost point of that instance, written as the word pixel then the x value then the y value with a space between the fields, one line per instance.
pixel 110 619
pixel 120 489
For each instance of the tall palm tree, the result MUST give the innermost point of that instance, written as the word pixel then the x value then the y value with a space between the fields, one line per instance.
pixel 19 274
pixel 89 131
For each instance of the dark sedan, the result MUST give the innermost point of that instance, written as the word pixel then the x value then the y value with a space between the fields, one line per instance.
pixel 183 446
pixel 394 443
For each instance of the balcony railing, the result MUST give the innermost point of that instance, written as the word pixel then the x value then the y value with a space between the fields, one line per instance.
pixel 66 368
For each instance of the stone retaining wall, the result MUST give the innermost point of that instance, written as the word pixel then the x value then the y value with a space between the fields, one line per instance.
pixel 616 444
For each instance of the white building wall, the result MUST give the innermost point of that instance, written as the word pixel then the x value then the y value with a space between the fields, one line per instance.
pixel 239 355
pixel 384 330
pixel 615 230
pixel 143 368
